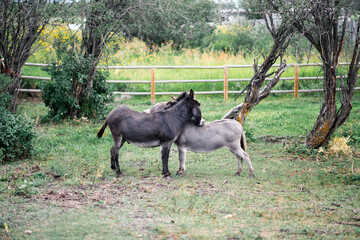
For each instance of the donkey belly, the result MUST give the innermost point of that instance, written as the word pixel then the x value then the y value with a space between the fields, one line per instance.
pixel 203 146
pixel 149 144
pixel 202 141
pixel 202 149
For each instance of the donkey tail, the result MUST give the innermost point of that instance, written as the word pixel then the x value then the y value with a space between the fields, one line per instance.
pixel 243 141
pixel 101 132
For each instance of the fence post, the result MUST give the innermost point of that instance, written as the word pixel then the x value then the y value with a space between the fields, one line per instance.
pixel 226 89
pixel 152 85
pixel 296 81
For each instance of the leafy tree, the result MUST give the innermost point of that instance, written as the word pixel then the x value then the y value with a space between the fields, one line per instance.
pixel 185 23
pixel 79 88
pixel 60 94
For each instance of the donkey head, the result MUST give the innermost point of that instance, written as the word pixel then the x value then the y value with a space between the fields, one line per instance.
pixel 194 105
pixel 196 117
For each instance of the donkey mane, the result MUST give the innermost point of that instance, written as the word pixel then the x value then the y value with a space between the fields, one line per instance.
pixel 170 104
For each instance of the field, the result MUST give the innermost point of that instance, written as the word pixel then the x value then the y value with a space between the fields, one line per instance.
pixel 136 53
pixel 68 191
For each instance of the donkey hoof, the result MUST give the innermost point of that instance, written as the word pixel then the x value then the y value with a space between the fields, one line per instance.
pixel 180 173
pixel 119 174
pixel 237 174
pixel 168 178
pixel 251 175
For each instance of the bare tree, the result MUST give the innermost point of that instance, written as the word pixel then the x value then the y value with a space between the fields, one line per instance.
pixel 281 34
pixel 21 23
pixel 325 27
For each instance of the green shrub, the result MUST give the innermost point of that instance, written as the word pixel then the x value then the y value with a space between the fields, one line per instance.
pixel 243 39
pixel 16 132
pixel 64 99
pixel 233 38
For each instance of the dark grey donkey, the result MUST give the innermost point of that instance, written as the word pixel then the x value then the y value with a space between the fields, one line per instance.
pixel 209 137
pixel 149 130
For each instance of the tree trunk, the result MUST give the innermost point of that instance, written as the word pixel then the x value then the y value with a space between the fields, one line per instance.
pixel 329 118
pixel 13 90
pixel 14 72
pixel 323 127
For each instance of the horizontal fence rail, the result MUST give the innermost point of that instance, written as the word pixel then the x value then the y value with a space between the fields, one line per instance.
pixel 225 80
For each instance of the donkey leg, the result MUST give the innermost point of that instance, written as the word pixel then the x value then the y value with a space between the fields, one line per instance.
pixel 242 154
pixel 165 150
pixel 114 152
pixel 239 161
pixel 182 159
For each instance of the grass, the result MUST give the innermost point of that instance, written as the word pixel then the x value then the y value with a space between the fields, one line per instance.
pixel 68 191
pixel 136 53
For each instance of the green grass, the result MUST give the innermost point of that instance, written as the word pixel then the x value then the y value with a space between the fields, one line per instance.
pixel 68 191
pixel 136 53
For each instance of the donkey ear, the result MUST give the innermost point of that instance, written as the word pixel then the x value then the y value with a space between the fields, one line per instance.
pixel 192 94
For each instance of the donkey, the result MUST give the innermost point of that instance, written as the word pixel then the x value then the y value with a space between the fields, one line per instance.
pixel 149 130
pixel 209 137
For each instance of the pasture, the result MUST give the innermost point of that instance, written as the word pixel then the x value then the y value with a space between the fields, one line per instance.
pixel 68 191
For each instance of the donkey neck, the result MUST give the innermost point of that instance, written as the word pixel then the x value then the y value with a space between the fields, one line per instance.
pixel 181 111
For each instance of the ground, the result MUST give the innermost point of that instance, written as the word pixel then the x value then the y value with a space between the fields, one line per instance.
pixel 68 191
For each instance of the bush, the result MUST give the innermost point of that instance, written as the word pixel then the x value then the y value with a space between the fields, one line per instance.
pixel 64 99
pixel 233 38
pixel 16 132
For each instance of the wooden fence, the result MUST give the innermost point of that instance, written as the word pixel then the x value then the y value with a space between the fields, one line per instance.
pixel 225 80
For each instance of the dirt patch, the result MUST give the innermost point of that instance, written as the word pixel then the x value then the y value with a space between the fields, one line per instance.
pixel 113 193
pixel 84 195
pixel 106 194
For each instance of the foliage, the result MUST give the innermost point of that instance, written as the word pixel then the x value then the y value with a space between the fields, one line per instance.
pixel 252 9
pixel 16 132
pixel 233 38
pixel 185 23
pixel 60 96
pixel 240 39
